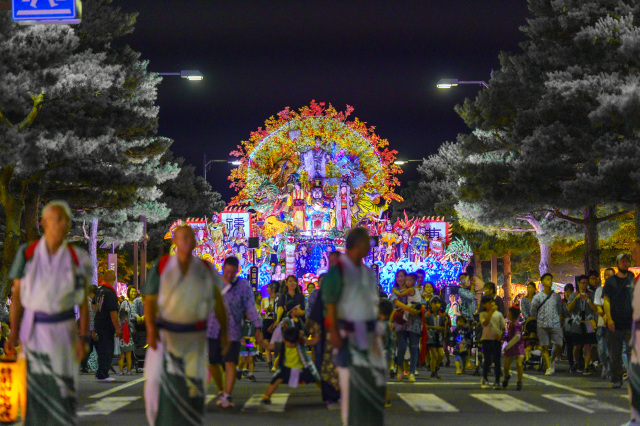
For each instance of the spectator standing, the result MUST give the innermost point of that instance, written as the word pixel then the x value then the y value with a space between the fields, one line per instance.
pixel 617 297
pixel 410 331
pixel 601 332
pixel 546 308
pixel 107 325
pixel 238 297
pixel 493 327
pixel 127 318
pixel 467 298
pixel 525 302
pixel 85 362
pixel 49 279
pixel 583 325
pixel 569 296
pixel 490 290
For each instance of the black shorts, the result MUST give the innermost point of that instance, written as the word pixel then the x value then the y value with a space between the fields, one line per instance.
pixel 584 339
pixel 266 323
pixel 216 356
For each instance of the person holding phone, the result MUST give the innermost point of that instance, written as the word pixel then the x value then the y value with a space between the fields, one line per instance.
pixel 583 326
pixel 291 304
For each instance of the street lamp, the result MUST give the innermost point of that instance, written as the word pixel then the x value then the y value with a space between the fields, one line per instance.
pixel 402 162
pixel 207 164
pixel 448 83
pixel 191 75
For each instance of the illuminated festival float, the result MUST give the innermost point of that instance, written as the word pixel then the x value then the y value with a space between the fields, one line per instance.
pixel 304 181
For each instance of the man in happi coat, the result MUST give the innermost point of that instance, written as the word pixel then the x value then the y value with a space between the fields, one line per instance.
pixel 180 292
pixel 49 279
pixel 350 294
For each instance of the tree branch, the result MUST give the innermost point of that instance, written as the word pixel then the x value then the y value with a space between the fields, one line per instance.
pixel 517 229
pixel 37 104
pixel 5 120
pixel 84 230
pixel 566 218
pixel 612 216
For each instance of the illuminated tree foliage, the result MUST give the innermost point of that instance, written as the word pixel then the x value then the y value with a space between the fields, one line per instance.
pixel 559 119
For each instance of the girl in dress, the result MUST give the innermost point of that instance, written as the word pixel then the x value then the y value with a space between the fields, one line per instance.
pixel 515 347
pixel 127 322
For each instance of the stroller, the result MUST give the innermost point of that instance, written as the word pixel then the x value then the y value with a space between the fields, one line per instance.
pixel 535 360
pixel 140 342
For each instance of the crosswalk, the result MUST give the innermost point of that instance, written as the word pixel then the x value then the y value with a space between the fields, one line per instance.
pixel 418 402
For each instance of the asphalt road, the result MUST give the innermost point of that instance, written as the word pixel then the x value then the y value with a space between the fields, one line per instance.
pixel 562 399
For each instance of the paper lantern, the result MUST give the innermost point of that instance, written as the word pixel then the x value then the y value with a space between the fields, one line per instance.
pixel 13 389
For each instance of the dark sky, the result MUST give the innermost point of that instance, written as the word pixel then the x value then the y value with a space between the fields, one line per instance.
pixel 382 57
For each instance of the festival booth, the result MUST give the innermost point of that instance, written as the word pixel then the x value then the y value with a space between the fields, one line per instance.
pixel 304 181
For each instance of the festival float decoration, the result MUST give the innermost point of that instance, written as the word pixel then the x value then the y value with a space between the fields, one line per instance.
pixel 304 181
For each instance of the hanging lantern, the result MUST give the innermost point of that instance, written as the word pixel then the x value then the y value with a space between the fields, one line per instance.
pixel 13 389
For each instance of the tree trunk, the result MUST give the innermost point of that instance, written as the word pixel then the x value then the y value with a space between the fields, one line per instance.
pixel 93 250
pixel 636 216
pixel 508 294
pixel 591 242
pixel 13 215
pixel 31 208
pixel 494 268
pixel 545 255
pixel 477 265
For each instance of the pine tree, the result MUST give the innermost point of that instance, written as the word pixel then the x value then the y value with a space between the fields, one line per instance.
pixel 86 127
pixel 553 119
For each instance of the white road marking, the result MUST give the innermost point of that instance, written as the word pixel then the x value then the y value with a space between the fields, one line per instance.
pixel 278 402
pixel 427 402
pixel 118 388
pixel 436 383
pixel 107 405
pixel 506 403
pixel 558 385
pixel 588 405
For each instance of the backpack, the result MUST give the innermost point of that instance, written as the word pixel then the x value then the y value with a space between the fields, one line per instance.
pixel 31 249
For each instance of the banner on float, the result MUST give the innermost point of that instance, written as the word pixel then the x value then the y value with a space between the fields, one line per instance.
pixel 290 258
pixel 253 277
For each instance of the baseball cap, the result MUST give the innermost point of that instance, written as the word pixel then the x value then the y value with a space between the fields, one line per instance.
pixel 622 255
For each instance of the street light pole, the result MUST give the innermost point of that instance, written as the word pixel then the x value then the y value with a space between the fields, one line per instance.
pixel 448 83
pixel 206 164
pixel 192 75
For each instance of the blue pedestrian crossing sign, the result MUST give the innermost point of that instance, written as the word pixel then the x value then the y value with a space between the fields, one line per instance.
pixel 43 10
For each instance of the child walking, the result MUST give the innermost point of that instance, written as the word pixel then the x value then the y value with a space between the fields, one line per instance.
pixel 295 366
pixel 493 327
pixel 514 348
pixel 437 324
pixel 247 352
pixel 462 346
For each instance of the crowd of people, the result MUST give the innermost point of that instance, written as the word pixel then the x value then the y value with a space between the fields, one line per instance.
pixel 343 334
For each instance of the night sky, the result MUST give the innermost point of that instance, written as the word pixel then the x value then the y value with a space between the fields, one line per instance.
pixel 383 58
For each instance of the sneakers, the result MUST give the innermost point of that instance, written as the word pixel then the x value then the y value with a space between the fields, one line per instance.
pixel 616 385
pixel 484 384
pixel 238 374
pixel 412 378
pixel 505 382
pixel 121 373
pixel 519 386
pixel 107 380
pixel 265 401
pixel 589 371
pixel 496 386
pixel 551 370
pixel 434 375
pixel 251 377
pixel 573 368
pixel 225 401
pixel 459 371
